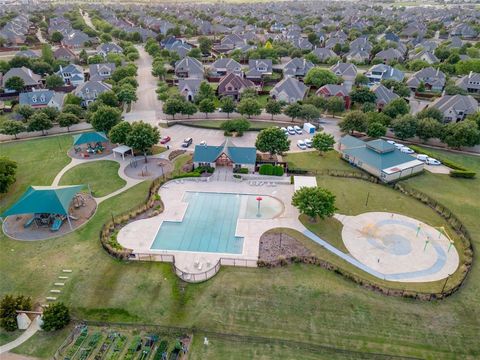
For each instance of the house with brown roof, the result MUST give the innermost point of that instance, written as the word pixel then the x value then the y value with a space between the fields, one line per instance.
pixel 233 85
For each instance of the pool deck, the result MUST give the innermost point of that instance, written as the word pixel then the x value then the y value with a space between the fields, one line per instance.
pixel 139 235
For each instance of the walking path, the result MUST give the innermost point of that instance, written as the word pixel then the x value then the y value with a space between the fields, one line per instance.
pixel 27 334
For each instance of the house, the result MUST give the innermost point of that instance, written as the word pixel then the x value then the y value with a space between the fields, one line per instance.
pixel 188 88
pixel 301 43
pixel 226 154
pixel 455 107
pixel 297 67
pixel 470 83
pixel 224 66
pixel 258 68
pixel 324 54
pixel 381 72
pixel 379 158
pixel 464 31
pixel 425 55
pixel 358 55
pixel 347 71
pixel 179 46
pixel 389 54
pixel 433 79
pixel 189 67
pixel 107 48
pixel 75 39
pixel 90 90
pixel 289 90
pixel 30 79
pixel 330 90
pixel 100 72
pixel 233 85
pixel 28 54
pixel 63 53
pixel 72 74
pixel 38 99
pixel 383 94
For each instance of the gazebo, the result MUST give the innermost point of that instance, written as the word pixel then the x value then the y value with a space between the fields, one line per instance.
pixel 89 137
pixel 122 150
pixel 45 200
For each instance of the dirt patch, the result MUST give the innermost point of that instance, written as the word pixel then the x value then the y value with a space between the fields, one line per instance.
pixel 277 247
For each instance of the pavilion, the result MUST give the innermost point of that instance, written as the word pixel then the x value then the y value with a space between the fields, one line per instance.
pixel 89 137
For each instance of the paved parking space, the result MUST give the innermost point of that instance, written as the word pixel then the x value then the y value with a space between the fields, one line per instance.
pixel 216 137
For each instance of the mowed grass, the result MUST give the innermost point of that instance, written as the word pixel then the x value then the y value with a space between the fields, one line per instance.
pixel 101 176
pixel 298 302
pixel 38 162
pixel 312 161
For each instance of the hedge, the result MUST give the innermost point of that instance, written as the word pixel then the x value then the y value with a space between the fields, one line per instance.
pixel 269 169
pixel 467 174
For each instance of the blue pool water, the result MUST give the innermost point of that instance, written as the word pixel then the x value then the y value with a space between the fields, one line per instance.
pixel 210 222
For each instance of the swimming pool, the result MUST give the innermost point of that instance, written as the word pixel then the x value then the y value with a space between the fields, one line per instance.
pixel 210 222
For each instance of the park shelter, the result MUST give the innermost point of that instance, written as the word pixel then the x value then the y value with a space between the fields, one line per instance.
pixel 122 150
pixel 45 199
pixel 89 137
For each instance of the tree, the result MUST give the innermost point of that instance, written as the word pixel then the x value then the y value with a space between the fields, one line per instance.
pixel 249 106
pixel 314 202
pixel 130 80
pixel 159 70
pixel 455 90
pixel 272 140
pixel 12 127
pixel 323 142
pixel 56 37
pixel 51 112
pixel 463 133
pixel 127 94
pixel 195 53
pixel 55 317
pixel 273 107
pixel 205 91
pixel 396 107
pixel 376 129
pixel 361 79
pixel 188 109
pixel 72 99
pixel 124 71
pixel 405 126
pixel 319 77
pixel 318 101
pixel 39 122
pixel 54 81
pixel 15 83
pixel 335 105
pixel 309 112
pixel 118 134
pixel 228 105
pixel 173 106
pixel 73 109
pixel 47 54
pixel 142 137
pixel 421 87
pixel 362 95
pixel 8 310
pixel 66 119
pixel 378 117
pixel 108 98
pixel 354 121
pixel 207 106
pixel 24 111
pixel 293 110
pixel 8 170
pixel 239 126
pixel 105 118
pixel 432 113
pixel 205 44
pixel 428 128
pixel 398 87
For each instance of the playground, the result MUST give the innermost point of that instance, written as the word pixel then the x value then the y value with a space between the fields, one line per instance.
pixel 399 248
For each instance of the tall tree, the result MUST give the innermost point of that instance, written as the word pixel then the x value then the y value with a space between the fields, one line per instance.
pixel 463 133
pixel 127 94
pixel 66 119
pixel 362 95
pixel 228 105
pixel 354 121
pixel 249 106
pixel 142 137
pixel 335 105
pixel 15 83
pixel 119 133
pixel 323 142
pixel 293 110
pixel 314 202
pixel 53 81
pixel 8 171
pixel 273 107
pixel 25 111
pixel 319 77
pixel 39 122
pixel 272 140
pixel 396 107
pixel 376 129
pixel 12 127
pixel 173 106
pixel 206 106
pixel 405 126
pixel 105 118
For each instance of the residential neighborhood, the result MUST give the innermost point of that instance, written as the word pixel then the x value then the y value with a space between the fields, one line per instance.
pixel 239 179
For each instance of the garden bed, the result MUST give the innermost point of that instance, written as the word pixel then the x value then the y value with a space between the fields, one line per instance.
pixel 278 248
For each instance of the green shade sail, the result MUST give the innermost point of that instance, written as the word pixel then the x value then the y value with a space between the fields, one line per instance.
pixel 89 137
pixel 44 199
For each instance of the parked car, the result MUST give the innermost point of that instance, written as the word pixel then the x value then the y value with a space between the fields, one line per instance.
pixel 432 161
pixel 422 157
pixel 298 129
pixel 399 146
pixel 291 130
pixel 284 129
pixel 301 144
pixel 391 142
pixel 406 150
pixel 308 142
pixel 187 142
pixel 165 140
pixel 203 143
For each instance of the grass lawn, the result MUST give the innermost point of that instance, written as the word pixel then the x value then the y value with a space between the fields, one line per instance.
pixel 312 161
pixel 298 303
pixel 179 161
pixel 7 336
pixel 329 229
pixel 101 176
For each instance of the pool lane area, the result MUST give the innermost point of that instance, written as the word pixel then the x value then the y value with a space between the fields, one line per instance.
pixel 210 222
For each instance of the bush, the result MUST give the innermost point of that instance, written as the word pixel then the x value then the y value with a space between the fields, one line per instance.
pixel 278 170
pixel 240 171
pixel 266 169
pixel 463 174
pixel 55 317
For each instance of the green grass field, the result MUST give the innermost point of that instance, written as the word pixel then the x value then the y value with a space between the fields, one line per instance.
pixel 301 303
pixel 101 176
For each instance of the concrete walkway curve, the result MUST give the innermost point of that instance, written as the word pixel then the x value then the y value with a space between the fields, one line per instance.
pixel 27 334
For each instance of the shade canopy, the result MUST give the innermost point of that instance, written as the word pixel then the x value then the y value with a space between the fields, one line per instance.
pixel 44 199
pixel 89 137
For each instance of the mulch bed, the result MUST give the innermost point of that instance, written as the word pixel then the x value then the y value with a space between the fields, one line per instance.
pixel 275 246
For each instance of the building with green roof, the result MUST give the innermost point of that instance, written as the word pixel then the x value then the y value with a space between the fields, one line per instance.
pixel 379 158
pixel 226 154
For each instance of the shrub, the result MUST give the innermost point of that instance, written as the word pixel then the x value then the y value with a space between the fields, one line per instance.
pixel 463 174
pixel 278 170
pixel 240 171
pixel 266 169
pixel 55 317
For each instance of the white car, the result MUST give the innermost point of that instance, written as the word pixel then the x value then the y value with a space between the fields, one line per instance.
pixel 308 142
pixel 422 157
pixel 432 161
pixel 297 129
pixel 301 145
pixel 284 129
pixel 406 150
pixel 203 143
pixel 291 130
pixel 391 142
pixel 399 146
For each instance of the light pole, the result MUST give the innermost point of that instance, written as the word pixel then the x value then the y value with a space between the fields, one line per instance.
pixel 259 199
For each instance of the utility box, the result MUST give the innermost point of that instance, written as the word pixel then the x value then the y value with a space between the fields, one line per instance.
pixel 309 128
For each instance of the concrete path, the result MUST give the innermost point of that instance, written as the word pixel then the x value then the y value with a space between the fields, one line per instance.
pixel 27 334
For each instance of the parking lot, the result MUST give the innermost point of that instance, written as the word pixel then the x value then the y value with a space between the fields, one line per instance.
pixel 216 137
